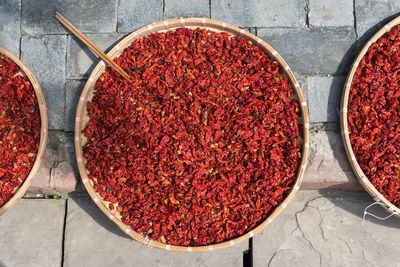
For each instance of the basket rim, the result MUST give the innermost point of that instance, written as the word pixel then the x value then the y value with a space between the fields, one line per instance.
pixel 43 131
pixel 171 24
pixel 362 178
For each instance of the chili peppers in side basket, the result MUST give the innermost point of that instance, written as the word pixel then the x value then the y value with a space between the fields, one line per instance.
pixel 373 115
pixel 19 128
pixel 201 144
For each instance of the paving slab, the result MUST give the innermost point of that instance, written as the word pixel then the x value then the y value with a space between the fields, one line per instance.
pixel 325 95
pixel 32 233
pixel 91 239
pixel 302 80
pixel 330 13
pixel 81 60
pixel 255 13
pixel 73 90
pixel 49 181
pixel 325 228
pixel 133 15
pixel 44 55
pixel 88 16
pixel 371 15
pixel 10 21
pixel 62 177
pixel 313 50
pixel 328 166
pixel 189 8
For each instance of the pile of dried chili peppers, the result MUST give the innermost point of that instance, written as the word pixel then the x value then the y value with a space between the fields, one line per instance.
pixel 202 142
pixel 374 115
pixel 19 128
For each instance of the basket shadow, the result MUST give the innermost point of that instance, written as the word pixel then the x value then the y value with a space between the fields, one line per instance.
pixel 2 265
pixel 339 82
pixel 334 138
pixel 80 196
pixel 92 56
pixel 344 67
pixel 85 202
pixel 355 202
pixel 374 29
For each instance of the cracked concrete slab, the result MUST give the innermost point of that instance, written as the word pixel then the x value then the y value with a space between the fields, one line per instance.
pixel 318 228
pixel 325 228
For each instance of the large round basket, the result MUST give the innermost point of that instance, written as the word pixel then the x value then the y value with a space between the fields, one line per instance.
pixel 368 186
pixel 43 134
pixel 82 119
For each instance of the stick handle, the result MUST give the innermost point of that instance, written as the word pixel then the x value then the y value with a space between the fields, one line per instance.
pixel 91 45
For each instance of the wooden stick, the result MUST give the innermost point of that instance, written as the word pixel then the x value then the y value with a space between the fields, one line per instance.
pixel 91 45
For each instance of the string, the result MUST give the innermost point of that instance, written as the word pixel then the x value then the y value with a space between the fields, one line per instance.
pixel 375 216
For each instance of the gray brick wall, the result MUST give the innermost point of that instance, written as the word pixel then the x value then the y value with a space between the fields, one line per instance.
pixel 317 38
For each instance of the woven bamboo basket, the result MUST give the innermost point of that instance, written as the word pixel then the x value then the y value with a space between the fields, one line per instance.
pixel 87 94
pixel 368 186
pixel 43 134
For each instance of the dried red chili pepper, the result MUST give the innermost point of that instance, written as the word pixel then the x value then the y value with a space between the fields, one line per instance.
pixel 373 115
pixel 19 128
pixel 201 144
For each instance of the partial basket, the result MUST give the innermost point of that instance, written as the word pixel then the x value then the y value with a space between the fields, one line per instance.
pixel 171 24
pixel 43 134
pixel 365 182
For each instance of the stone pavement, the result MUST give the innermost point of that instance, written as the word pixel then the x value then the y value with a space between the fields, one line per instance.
pixel 325 228
pixel 32 233
pixel 318 228
pixel 319 40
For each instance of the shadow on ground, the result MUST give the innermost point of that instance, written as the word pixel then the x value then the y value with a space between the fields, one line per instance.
pixel 356 202
pixel 343 68
pixel 374 29
pixel 345 64
pixel 84 201
pixel 94 58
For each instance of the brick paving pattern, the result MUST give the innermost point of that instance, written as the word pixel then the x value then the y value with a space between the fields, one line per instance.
pixel 318 39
